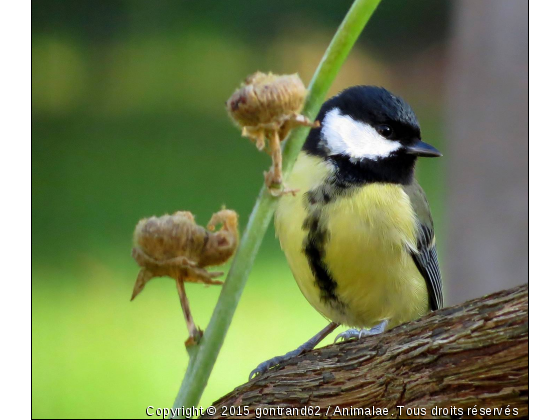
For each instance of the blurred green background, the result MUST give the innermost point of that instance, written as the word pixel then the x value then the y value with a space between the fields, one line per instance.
pixel 128 121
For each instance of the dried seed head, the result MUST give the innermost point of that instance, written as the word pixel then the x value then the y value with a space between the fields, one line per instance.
pixel 222 244
pixel 170 236
pixel 266 98
pixel 175 246
pixel 267 107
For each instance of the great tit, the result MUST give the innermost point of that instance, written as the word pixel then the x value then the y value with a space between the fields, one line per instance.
pixel 359 235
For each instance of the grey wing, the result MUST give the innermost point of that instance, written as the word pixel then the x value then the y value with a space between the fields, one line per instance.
pixel 425 256
pixel 426 261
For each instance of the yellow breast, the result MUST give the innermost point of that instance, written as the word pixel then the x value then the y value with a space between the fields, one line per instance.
pixel 370 230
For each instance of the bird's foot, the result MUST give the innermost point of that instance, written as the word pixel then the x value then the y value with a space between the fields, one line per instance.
pixel 308 345
pixel 354 333
pixel 267 364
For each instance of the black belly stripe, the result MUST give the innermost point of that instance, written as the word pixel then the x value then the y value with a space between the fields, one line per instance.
pixel 315 244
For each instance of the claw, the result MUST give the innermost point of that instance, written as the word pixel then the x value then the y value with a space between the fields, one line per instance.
pixel 354 333
pixel 267 364
pixel 308 345
pixel 264 366
pixel 257 371
pixel 347 335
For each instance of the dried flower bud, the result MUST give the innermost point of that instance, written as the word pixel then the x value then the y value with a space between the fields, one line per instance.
pixel 175 246
pixel 266 98
pixel 267 106
pixel 166 238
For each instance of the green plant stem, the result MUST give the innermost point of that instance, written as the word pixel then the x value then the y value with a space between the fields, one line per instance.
pixel 203 357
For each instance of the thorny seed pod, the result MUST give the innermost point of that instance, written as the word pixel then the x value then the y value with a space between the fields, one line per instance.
pixel 175 246
pixel 267 106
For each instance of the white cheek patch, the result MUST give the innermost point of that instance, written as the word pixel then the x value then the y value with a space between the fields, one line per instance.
pixel 342 135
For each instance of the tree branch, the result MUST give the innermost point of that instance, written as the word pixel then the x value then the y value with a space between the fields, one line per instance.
pixel 473 354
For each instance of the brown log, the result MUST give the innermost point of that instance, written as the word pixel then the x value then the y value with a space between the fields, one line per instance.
pixel 473 355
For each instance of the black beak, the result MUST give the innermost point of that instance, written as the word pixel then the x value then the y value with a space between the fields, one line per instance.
pixel 422 149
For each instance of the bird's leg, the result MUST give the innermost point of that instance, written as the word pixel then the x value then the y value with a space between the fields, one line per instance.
pixel 194 333
pixel 308 345
pixel 354 333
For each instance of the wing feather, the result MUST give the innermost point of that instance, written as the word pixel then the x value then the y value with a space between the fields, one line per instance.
pixel 425 255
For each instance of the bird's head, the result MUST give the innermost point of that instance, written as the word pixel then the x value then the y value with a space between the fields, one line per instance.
pixel 369 127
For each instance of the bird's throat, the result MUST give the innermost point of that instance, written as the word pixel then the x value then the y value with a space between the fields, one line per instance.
pixel 393 170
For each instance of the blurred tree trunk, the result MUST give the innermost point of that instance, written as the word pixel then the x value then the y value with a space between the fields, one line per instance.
pixel 487 152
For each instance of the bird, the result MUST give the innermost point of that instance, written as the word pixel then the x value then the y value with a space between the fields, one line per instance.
pixel 359 236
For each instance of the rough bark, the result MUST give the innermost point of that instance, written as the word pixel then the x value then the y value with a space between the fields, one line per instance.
pixel 473 355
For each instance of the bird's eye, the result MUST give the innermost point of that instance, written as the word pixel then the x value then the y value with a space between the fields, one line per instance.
pixel 385 130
